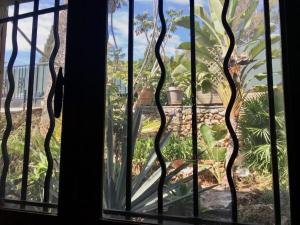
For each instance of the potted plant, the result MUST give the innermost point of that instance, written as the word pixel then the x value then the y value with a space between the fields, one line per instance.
pixel 144 93
pixel 175 95
pixel 208 97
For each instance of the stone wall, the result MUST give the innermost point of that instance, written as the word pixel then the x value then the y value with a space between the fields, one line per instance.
pixel 182 116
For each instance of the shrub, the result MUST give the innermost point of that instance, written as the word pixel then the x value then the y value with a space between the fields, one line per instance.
pixel 255 131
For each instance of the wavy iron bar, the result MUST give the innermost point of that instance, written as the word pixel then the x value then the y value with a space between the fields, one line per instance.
pixel 11 90
pixel 49 134
pixel 160 108
pixel 29 102
pixel 229 109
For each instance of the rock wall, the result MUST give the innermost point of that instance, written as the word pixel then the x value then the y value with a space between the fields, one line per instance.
pixel 182 116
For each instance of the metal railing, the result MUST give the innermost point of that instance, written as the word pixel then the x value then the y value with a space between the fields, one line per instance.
pixel 21 75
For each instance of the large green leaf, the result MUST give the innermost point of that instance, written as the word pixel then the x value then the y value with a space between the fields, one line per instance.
pixel 260 88
pixel 260 76
pixel 185 46
pixel 207 135
pixel 260 47
pixel 179 70
pixel 232 9
pixel 138 181
pixel 216 33
pixel 216 7
pixel 201 13
pixel 147 184
pixel 201 35
pixel 245 17
pixel 183 21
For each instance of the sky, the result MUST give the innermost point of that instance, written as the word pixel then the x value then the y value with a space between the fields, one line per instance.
pixel 44 27
pixel 121 26
pixel 120 29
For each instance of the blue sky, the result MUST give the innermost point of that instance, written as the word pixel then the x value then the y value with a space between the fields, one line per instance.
pixel 120 28
pixel 45 23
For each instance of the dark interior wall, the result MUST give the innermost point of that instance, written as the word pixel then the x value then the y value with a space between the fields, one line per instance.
pixel 290 11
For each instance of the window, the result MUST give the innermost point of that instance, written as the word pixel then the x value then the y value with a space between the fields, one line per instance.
pixel 92 137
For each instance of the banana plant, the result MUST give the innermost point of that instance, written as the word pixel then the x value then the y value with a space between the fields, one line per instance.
pixel 145 184
pixel 212 43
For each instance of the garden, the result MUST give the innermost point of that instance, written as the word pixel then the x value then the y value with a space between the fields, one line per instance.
pixel 252 171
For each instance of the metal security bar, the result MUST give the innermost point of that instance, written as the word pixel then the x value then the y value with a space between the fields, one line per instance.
pixel 128 213
pixel 29 98
pixel 160 108
pixel 272 114
pixel 129 106
pixel 160 216
pixel 228 112
pixel 194 110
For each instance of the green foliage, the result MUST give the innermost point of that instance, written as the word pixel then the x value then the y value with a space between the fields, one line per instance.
pixel 143 148
pixel 209 142
pixel 145 183
pixel 37 167
pixel 255 131
pixel 178 147
pixel 246 21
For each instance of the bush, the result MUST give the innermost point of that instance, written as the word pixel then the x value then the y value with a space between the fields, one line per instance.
pixel 177 148
pixel 37 167
pixel 255 131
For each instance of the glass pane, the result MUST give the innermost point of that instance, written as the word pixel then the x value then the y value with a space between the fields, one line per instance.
pixel 251 171
pixel 40 122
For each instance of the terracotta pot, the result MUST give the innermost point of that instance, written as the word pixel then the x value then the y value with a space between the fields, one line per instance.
pixel 146 96
pixel 175 96
pixel 210 98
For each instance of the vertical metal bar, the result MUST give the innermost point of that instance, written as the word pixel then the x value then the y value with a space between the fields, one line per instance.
pixel 272 114
pixel 29 102
pixel 49 105
pixel 22 80
pixel 36 83
pixel 194 110
pixel 14 73
pixel 129 106
pixel 43 79
pixel 230 128
pixel 9 124
pixel 84 94
pixel 289 14
pixel 160 108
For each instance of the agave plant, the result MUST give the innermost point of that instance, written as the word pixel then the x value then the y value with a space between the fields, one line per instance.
pixel 145 184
